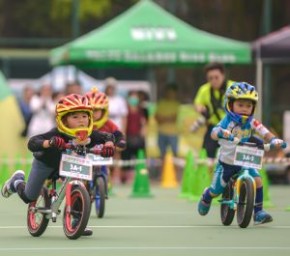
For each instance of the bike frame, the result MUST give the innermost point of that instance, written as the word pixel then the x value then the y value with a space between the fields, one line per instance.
pixel 241 176
pixel 240 191
pixel 57 198
pixel 100 171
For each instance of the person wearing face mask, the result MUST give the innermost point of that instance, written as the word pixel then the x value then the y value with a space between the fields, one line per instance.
pixel 135 134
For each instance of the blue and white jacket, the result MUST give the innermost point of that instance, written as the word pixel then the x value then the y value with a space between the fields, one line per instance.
pixel 243 132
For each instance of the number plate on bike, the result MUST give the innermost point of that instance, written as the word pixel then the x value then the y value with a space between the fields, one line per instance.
pixel 76 167
pixel 249 157
pixel 99 160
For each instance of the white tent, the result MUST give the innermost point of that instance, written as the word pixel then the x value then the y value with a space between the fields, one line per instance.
pixel 59 76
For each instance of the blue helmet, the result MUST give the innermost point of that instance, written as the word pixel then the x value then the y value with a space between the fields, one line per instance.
pixel 240 90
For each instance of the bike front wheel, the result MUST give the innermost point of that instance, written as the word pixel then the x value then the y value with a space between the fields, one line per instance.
pixel 76 219
pixel 100 197
pixel 227 205
pixel 245 204
pixel 36 221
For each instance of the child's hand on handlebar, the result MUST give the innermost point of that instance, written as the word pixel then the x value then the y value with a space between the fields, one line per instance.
pixel 108 150
pixel 277 143
pixel 227 135
pixel 57 142
pixel 224 134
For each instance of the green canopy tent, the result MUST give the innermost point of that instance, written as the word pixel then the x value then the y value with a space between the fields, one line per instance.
pixel 147 35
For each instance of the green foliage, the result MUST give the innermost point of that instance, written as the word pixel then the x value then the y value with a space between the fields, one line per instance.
pixel 62 9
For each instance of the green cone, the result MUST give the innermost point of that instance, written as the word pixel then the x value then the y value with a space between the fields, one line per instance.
pixel 141 184
pixel 199 179
pixel 187 173
pixel 267 200
pixel 5 173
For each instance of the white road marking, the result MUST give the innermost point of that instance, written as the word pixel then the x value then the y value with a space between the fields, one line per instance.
pixel 138 226
pixel 128 248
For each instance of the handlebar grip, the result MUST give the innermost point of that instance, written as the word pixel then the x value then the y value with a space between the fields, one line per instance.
pixel 69 146
pixel 284 145
pixel 220 135
pixel 97 149
pixel 271 146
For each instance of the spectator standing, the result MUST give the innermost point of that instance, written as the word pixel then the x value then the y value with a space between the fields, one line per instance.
pixel 24 104
pixel 166 117
pixel 73 88
pixel 118 111
pixel 209 103
pixel 144 103
pixel 135 134
pixel 43 108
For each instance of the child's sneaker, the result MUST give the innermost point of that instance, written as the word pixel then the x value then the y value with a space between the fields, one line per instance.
pixel 8 188
pixel 204 202
pixel 203 207
pixel 86 232
pixel 262 217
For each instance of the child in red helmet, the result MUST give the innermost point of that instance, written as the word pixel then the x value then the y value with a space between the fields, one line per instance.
pixel 74 118
pixel 100 104
pixel 101 122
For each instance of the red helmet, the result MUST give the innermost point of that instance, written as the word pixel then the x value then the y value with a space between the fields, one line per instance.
pixel 99 100
pixel 73 103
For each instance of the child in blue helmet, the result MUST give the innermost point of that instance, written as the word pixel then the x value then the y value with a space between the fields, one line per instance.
pixel 240 103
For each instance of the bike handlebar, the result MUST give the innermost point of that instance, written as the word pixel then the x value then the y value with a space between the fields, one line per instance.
pixel 82 149
pixel 236 140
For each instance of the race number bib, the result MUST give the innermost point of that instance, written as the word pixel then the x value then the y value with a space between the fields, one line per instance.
pixel 76 167
pixel 249 157
pixel 98 160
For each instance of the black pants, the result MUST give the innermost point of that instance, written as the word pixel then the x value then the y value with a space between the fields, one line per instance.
pixel 211 146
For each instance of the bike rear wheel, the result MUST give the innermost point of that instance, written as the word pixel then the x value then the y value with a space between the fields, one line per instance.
pixel 245 205
pixel 227 213
pixel 100 197
pixel 76 219
pixel 36 221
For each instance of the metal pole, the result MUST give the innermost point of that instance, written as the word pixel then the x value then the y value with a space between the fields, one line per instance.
pixel 265 28
pixel 267 95
pixel 75 24
pixel 266 76
pixel 267 17
pixel 6 68
pixel 259 82
pixel 171 78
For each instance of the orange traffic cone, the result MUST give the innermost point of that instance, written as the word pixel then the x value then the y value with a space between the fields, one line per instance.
pixel 168 179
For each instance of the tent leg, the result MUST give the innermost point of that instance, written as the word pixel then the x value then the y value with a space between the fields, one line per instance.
pixel 151 79
pixel 171 78
pixel 267 95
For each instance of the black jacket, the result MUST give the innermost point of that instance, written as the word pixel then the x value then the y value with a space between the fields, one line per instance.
pixel 52 156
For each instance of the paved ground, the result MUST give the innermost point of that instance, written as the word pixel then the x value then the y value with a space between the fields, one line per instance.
pixel 161 225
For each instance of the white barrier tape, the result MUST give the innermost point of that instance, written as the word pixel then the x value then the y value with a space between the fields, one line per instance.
pixel 151 161
pixel 267 160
